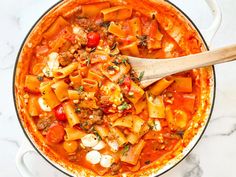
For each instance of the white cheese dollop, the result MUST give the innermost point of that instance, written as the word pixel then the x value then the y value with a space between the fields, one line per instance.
pixel 99 146
pixel 52 64
pixel 106 161
pixel 93 157
pixel 113 145
pixel 43 105
pixel 157 125
pixel 89 140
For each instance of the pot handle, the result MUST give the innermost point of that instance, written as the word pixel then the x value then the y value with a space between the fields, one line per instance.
pixel 210 32
pixel 25 148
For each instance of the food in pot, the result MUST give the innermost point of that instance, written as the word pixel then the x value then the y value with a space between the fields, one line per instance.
pixel 87 103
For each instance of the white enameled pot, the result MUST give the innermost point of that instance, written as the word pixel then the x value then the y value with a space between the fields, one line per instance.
pixel 207 36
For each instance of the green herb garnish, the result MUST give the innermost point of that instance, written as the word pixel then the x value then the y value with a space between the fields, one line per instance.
pixel 80 89
pixel 116 62
pixel 77 110
pixel 124 60
pixel 123 106
pixel 125 149
pixel 47 73
pixel 140 77
pixel 114 46
pixel 40 78
pixel 105 24
pixel 99 137
pixel 83 125
pixel 88 61
pixel 121 80
pixel 111 68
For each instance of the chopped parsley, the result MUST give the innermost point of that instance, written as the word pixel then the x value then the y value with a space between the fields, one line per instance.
pixel 125 149
pixel 140 77
pixel 116 62
pixel 84 125
pixel 180 133
pixel 121 80
pixel 123 106
pixel 114 46
pixel 99 137
pixel 77 110
pixel 40 78
pixel 124 61
pixel 88 61
pixel 111 68
pixel 47 73
pixel 105 24
pixel 80 89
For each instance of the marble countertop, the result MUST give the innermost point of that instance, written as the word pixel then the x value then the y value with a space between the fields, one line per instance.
pixel 215 154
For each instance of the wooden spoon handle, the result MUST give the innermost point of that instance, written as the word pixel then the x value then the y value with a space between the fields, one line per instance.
pixel 157 69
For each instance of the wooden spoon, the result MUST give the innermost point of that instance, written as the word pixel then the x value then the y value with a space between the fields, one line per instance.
pixel 155 69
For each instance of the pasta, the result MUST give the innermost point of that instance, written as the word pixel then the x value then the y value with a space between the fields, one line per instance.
pixel 60 88
pixel 126 121
pixel 72 117
pixel 89 85
pixel 161 85
pixel 116 13
pixel 63 72
pixel 73 134
pixel 32 83
pixel 90 10
pixel 75 80
pixel 131 49
pixel 48 95
pixel 183 84
pixel 116 30
pixel 84 98
pixel 95 76
pixel 156 108
pixel 55 27
pixel 33 106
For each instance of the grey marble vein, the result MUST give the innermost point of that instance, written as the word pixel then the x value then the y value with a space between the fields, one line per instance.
pixel 228 133
pixel 223 125
pixel 195 170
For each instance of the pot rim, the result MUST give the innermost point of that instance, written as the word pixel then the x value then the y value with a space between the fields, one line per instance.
pixel 62 169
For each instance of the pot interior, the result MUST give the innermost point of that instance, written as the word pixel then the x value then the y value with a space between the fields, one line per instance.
pixel 176 30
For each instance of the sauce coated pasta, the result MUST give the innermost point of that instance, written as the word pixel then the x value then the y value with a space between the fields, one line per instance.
pixel 86 101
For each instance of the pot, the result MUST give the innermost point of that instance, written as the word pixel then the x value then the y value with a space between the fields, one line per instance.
pixel 33 146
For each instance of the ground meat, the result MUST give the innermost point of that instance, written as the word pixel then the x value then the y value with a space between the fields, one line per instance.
pixel 115 167
pixel 104 101
pixel 65 58
pixel 97 116
pixel 44 123
pixel 87 24
pixel 84 113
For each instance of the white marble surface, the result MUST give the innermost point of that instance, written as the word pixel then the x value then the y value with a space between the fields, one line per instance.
pixel 215 154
